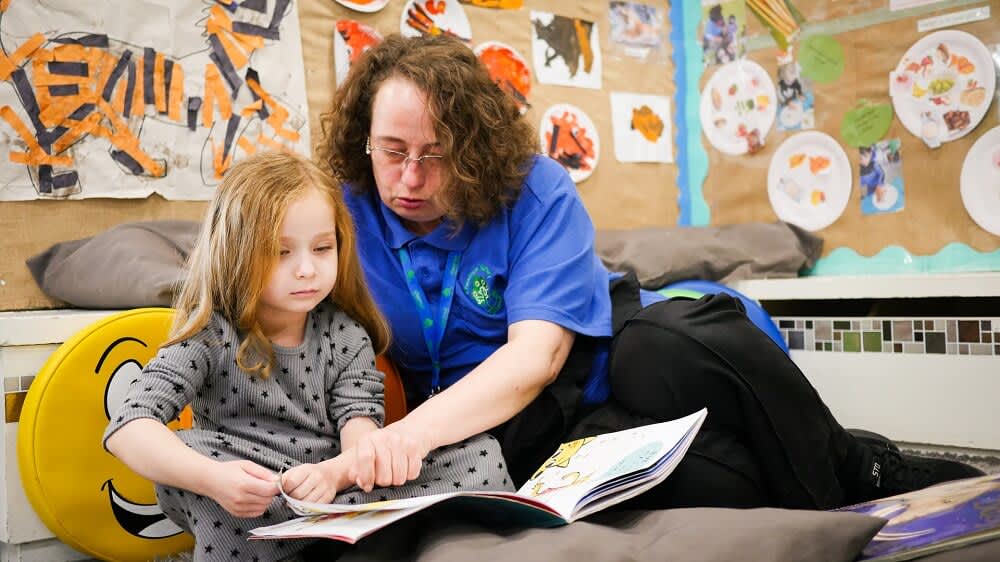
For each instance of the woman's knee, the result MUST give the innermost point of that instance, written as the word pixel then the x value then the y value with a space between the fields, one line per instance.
pixel 660 365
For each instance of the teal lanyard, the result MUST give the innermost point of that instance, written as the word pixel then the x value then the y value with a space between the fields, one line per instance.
pixel 433 330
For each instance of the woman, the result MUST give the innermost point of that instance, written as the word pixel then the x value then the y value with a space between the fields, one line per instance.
pixel 462 226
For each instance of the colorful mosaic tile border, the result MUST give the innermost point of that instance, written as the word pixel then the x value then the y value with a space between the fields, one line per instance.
pixel 945 336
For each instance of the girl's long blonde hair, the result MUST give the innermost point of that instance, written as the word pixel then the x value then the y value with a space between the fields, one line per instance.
pixel 238 247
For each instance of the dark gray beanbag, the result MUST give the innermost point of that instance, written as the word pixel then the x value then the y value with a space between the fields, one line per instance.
pixel 676 535
pixel 660 256
pixel 142 263
pixel 131 265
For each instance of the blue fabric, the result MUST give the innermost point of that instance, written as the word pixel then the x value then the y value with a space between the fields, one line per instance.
pixel 872 176
pixel 520 266
pixel 755 312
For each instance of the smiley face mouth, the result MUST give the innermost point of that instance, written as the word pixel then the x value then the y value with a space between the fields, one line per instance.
pixel 140 519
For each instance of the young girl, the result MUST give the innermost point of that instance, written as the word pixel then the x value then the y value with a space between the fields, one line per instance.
pixel 273 345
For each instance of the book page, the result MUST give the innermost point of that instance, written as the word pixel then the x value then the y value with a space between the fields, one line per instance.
pixel 347 527
pixel 409 505
pixel 313 508
pixel 579 467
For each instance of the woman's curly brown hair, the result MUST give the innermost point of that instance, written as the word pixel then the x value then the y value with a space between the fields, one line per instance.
pixel 487 143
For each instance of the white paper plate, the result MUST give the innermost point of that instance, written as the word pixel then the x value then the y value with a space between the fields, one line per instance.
pixel 802 190
pixel 925 88
pixel 507 67
pixel 738 99
pixel 362 6
pixel 980 181
pixel 362 38
pixel 579 167
pixel 448 17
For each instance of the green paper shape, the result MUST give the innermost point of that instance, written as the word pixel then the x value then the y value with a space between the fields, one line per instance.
pixel 821 58
pixel 866 124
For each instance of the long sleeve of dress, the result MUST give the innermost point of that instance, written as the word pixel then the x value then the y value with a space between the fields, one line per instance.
pixel 354 386
pixel 168 382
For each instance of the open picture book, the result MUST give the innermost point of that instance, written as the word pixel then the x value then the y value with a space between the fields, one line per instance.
pixel 581 477
pixel 943 517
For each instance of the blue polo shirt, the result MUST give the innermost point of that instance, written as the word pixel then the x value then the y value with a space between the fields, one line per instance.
pixel 534 261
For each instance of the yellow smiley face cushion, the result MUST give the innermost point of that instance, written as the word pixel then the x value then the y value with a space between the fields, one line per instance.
pixel 87 497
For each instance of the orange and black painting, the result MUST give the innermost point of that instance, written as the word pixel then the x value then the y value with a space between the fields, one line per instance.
pixel 570 140
pixel 508 69
pixel 73 98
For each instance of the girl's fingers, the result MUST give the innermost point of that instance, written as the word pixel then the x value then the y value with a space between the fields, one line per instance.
pixel 254 469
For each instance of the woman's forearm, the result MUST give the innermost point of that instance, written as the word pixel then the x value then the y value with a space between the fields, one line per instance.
pixel 500 387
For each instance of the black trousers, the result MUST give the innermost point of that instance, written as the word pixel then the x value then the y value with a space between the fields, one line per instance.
pixel 768 440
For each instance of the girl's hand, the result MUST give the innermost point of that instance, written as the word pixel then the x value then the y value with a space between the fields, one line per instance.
pixel 242 488
pixel 308 482
pixel 390 456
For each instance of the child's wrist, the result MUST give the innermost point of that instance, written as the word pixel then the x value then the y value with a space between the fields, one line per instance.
pixel 337 470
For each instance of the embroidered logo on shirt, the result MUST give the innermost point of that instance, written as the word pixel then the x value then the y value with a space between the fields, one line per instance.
pixel 479 286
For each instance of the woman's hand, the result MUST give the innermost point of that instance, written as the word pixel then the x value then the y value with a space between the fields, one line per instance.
pixel 308 482
pixel 390 456
pixel 242 488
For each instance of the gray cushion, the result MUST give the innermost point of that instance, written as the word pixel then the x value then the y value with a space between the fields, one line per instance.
pixel 131 265
pixel 659 256
pixel 677 535
pixel 142 263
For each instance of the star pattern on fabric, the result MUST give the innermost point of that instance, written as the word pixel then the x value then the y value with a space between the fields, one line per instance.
pixel 282 421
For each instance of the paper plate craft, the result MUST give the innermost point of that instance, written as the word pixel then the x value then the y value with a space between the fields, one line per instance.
pixel 350 40
pixel 569 137
pixel 809 180
pixel 980 181
pixel 943 86
pixel 364 5
pixel 435 17
pixel 508 69
pixel 738 107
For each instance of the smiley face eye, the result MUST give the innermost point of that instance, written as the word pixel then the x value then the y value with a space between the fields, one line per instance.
pixel 123 377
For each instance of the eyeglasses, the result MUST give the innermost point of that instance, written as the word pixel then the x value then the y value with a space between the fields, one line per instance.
pixel 430 162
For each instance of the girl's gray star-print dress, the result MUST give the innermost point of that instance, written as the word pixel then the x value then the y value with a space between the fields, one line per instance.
pixel 292 417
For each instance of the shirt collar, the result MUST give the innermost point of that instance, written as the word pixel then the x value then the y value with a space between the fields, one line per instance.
pixel 397 235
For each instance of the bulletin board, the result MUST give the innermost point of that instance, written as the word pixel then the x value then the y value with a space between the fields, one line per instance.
pixel 618 195
pixel 703 187
pixel 934 231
